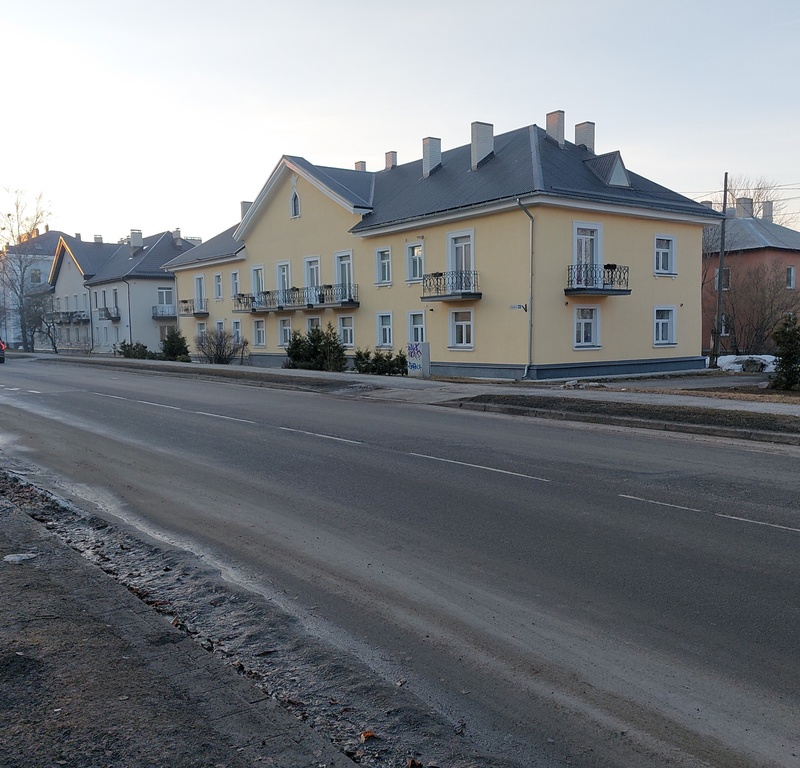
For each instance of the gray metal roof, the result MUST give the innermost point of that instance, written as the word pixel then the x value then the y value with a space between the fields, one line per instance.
pixel 89 255
pixel 748 234
pixel 526 163
pixel 218 247
pixel 355 187
pixel 141 262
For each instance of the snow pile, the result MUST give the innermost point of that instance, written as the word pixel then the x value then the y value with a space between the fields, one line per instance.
pixel 737 363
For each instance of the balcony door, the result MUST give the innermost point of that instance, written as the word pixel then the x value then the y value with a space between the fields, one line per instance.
pixel 587 257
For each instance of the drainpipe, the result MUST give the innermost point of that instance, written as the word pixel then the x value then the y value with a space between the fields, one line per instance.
pixel 530 291
pixel 130 319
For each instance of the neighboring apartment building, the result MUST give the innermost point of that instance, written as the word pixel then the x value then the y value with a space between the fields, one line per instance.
pixel 211 276
pixel 108 293
pixel 759 281
pixel 520 255
pixel 24 267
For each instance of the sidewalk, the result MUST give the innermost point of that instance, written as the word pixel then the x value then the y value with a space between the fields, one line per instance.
pixel 90 676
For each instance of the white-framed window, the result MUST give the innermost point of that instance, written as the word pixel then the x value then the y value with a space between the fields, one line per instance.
pixel 664 326
pixel 294 205
pixel 346 335
pixel 587 326
pixel 115 294
pixel 259 334
pixel 116 334
pixel 461 330
pixel 220 326
pixel 199 288
pixel 201 330
pixel 218 287
pixel 235 291
pixel 284 331
pixel 95 301
pixel 664 263
pixel 384 335
pixel 725 325
pixel 236 330
pixel 415 263
pixel 343 261
pixel 383 266
pixel 163 330
pixel 587 253
pixel 283 276
pixel 256 280
pixel 460 251
pixel 105 334
pixel 164 296
pixel 790 277
pixel 312 272
pixel 313 322
pixel 36 276
pixel 416 327
pixel 726 279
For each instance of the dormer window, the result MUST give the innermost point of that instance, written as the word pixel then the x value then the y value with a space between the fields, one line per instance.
pixel 294 205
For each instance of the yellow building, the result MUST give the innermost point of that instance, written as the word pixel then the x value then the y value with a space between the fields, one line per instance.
pixel 520 255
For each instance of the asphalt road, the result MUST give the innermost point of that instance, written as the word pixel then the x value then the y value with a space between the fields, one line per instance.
pixel 634 596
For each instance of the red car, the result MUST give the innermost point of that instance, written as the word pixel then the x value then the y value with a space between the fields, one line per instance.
pixel 2 351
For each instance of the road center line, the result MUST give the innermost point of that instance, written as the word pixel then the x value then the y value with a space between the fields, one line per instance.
pixel 227 418
pixel 662 503
pixel 326 437
pixel 480 466
pixel 757 522
pixel 113 397
pixel 707 512
pixel 158 405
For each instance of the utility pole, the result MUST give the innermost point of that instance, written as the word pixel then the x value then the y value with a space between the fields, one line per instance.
pixel 720 273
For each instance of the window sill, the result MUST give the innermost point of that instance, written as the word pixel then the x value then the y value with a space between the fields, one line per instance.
pixel 462 348
pixel 413 281
pixel 662 344
pixel 384 285
pixel 665 274
pixel 587 346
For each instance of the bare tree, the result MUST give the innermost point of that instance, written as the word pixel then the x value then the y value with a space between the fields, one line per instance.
pixel 756 303
pixel 18 258
pixel 760 190
pixel 220 347
pixel 40 319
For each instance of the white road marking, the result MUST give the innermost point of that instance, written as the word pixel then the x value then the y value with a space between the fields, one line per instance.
pixel 708 512
pixel 113 397
pixel 34 392
pixel 227 418
pixel 158 405
pixel 326 437
pixel 661 503
pixel 480 466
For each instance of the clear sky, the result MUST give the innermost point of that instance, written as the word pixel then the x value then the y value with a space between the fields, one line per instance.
pixel 157 114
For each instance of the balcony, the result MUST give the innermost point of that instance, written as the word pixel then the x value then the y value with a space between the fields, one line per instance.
pixel 164 311
pixel 81 316
pixel 597 280
pixel 460 285
pixel 312 297
pixel 193 308
pixel 108 313
pixel 60 318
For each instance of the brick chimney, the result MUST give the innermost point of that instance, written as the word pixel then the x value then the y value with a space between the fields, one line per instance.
pixel 391 160
pixel 766 210
pixel 431 156
pixel 98 238
pixel 555 126
pixel 361 165
pixel 482 146
pixel 136 238
pixel 584 134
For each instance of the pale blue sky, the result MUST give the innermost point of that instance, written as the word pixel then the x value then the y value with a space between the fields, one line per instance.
pixel 156 114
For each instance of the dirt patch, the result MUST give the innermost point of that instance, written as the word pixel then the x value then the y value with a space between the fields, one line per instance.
pixel 678 414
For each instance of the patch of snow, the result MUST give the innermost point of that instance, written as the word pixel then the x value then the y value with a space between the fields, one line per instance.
pixel 735 362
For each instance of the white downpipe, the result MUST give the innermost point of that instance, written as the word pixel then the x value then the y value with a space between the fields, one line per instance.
pixel 530 292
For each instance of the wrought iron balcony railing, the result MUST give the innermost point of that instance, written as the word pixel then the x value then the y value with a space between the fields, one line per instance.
pixel 164 310
pixel 108 313
pixel 189 307
pixel 597 279
pixel 339 295
pixel 459 285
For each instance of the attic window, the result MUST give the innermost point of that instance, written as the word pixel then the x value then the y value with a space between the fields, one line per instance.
pixel 294 205
pixel 610 169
